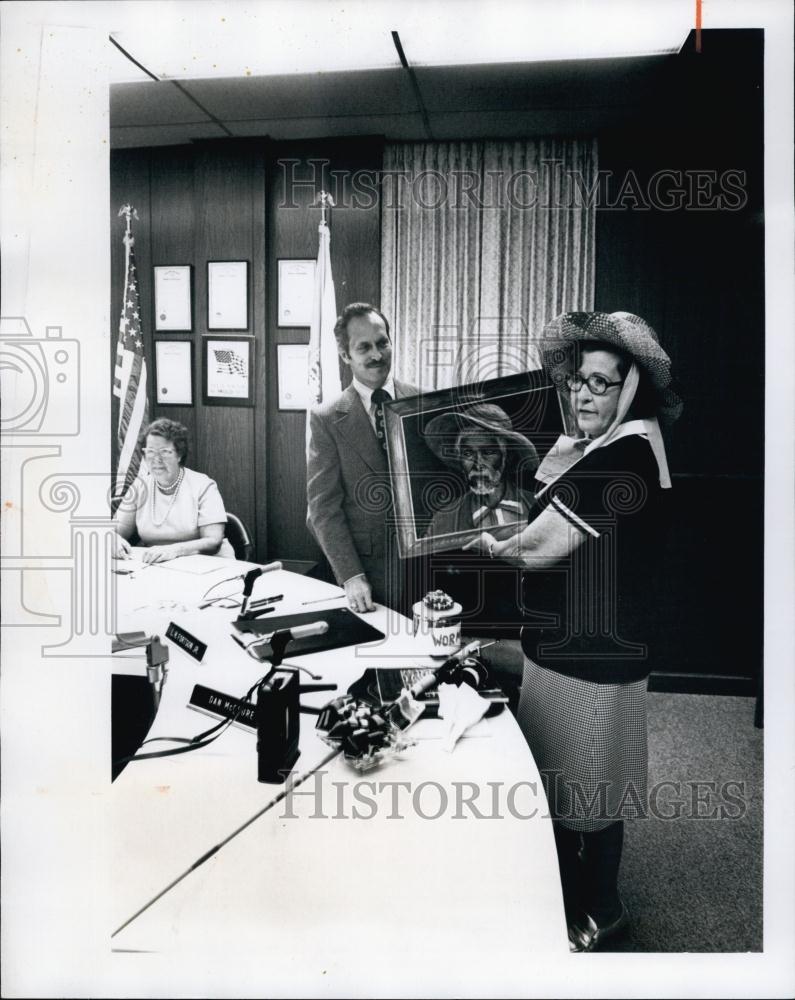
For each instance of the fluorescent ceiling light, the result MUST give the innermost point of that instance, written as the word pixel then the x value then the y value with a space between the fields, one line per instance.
pixel 189 39
pixel 544 30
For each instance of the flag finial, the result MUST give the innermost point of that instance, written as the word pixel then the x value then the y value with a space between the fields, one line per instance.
pixel 325 201
pixel 129 214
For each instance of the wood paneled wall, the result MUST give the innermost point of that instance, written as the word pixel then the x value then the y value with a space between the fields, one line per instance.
pixel 697 275
pixel 297 172
pixel 245 200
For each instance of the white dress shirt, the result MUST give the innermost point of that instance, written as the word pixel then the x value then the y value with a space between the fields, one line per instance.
pixel 366 394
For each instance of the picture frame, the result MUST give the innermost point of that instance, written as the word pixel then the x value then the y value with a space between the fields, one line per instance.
pixel 227 295
pixel 173 298
pixel 428 485
pixel 173 372
pixel 292 367
pixel 228 371
pixel 296 286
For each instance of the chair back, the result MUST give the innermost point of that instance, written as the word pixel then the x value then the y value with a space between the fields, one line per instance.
pixel 239 538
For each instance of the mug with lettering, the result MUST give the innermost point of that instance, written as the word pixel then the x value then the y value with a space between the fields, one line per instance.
pixel 438 617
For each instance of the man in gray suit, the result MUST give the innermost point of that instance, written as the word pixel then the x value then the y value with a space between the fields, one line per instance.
pixel 348 495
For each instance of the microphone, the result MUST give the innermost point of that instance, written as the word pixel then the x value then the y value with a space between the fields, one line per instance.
pixel 248 583
pixel 279 639
pixel 249 580
pixel 156 669
pixel 305 631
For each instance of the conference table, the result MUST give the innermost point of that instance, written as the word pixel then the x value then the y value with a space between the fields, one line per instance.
pixel 435 872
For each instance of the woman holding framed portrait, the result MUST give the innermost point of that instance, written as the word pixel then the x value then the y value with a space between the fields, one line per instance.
pixel 589 555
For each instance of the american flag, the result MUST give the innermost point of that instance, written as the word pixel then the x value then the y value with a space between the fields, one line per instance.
pixel 229 363
pixel 129 376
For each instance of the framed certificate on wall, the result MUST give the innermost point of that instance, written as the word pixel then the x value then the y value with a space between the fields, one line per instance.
pixel 173 297
pixel 296 290
pixel 227 295
pixel 174 372
pixel 292 362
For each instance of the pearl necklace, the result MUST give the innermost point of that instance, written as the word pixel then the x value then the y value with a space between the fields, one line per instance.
pixel 171 491
pixel 172 487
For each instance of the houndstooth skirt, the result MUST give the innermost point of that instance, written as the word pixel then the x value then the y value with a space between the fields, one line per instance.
pixel 589 743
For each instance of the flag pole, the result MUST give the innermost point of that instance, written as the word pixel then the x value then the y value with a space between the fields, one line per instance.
pixel 323 374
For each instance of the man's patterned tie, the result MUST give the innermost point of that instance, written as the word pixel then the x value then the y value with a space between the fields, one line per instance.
pixel 378 397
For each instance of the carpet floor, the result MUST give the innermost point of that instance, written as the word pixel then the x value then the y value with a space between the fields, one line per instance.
pixel 693 882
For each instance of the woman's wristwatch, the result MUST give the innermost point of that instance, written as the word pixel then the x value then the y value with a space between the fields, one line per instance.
pixel 491 549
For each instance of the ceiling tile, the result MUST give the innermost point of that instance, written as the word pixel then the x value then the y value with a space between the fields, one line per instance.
pixel 539 85
pixel 151 103
pixel 162 135
pixel 307 95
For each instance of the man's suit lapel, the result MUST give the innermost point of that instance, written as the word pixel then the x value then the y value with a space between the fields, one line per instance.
pixel 354 425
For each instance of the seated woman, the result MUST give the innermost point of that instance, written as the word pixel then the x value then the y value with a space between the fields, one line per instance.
pixel 591 559
pixel 175 511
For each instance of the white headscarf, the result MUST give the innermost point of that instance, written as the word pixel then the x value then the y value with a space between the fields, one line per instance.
pixel 570 448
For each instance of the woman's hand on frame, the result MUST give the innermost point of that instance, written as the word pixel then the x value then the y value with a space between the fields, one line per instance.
pixel 483 543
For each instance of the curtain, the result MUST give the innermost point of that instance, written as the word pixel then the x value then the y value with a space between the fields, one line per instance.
pixel 482 243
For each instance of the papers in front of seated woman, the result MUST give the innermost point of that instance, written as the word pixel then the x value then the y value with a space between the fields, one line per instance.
pixel 197 565
pixel 461 707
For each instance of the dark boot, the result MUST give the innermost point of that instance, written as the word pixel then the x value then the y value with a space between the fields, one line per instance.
pixel 603 913
pixel 569 844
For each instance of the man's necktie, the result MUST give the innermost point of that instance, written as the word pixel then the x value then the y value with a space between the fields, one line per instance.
pixel 378 397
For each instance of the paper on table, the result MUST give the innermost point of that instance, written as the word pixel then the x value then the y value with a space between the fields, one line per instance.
pixel 198 564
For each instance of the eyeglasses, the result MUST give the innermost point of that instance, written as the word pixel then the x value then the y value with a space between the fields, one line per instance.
pixel 150 453
pixel 597 384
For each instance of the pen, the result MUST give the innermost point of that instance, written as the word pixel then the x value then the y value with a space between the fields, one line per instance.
pixel 267 600
pixel 322 600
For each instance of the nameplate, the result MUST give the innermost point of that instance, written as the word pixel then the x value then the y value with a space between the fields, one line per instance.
pixel 189 643
pixel 222 706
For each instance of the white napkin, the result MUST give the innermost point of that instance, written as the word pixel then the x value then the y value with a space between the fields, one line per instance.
pixel 460 707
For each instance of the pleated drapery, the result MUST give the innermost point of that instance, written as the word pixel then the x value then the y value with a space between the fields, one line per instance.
pixel 482 243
